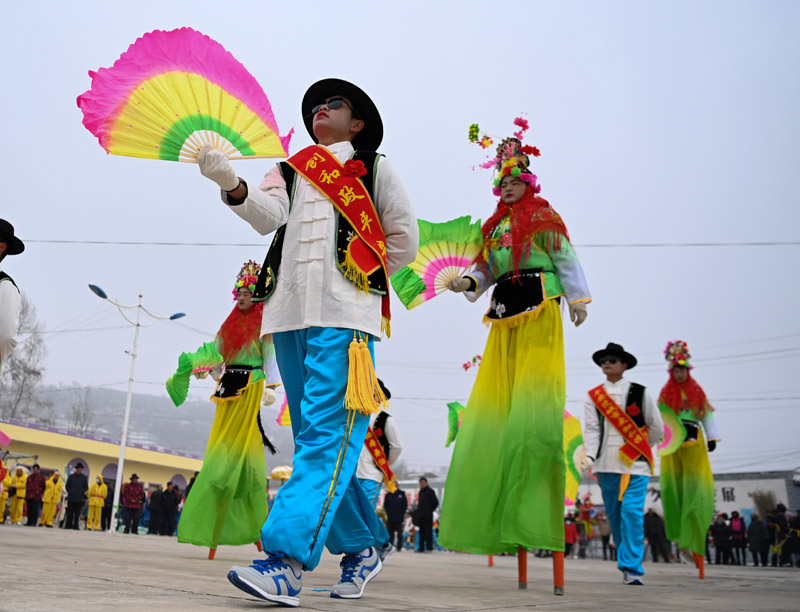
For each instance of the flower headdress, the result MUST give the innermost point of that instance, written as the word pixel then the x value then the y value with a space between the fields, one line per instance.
pixel 512 156
pixel 677 354
pixel 247 277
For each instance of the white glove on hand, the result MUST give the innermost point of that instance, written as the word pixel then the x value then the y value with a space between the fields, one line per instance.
pixel 577 313
pixel 200 374
pixel 269 396
pixel 214 165
pixel 458 285
pixel 586 463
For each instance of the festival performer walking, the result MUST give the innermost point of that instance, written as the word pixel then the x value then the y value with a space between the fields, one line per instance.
pixel 343 223
pixel 382 448
pixel 687 483
pixel 228 495
pixel 620 424
pixel 511 436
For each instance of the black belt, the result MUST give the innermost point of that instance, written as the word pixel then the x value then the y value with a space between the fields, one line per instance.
pixel 515 294
pixel 234 380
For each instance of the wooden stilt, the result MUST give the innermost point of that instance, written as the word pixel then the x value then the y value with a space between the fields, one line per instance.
pixel 491 560
pixel 522 567
pixel 558 573
pixel 211 553
pixel 700 562
pixel 258 546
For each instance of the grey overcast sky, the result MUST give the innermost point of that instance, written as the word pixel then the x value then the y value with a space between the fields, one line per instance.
pixel 662 125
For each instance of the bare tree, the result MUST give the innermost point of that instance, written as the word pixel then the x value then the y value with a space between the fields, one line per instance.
pixel 24 370
pixel 82 412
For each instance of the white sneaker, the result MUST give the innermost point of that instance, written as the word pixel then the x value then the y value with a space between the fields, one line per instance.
pixel 277 579
pixel 357 570
pixel 630 578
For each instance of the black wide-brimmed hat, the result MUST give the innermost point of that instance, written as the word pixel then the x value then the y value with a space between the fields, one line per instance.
pixel 134 475
pixel 15 245
pixel 370 137
pixel 615 350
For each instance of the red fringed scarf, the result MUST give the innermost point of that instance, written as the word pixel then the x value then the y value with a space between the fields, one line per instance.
pixel 239 329
pixel 533 221
pixel 686 396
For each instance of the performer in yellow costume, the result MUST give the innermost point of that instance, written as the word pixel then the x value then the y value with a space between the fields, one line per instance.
pixel 97 498
pixel 52 496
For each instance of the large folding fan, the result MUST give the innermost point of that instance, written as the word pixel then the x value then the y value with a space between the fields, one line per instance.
pixel 173 92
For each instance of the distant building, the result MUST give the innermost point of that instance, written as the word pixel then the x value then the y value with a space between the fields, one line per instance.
pixel 60 449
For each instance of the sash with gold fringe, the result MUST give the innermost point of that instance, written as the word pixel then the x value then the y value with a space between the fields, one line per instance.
pixel 381 460
pixel 636 440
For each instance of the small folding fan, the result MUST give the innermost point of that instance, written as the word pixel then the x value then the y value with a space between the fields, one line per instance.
pixel 445 251
pixel 574 452
pixel 284 418
pixel 674 431
pixel 173 92
pixel 455 412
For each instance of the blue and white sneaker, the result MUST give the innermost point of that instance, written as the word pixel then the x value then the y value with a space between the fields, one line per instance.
pixel 277 579
pixel 631 578
pixel 357 570
pixel 384 552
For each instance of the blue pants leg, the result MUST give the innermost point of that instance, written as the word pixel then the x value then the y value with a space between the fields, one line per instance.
pixel 339 539
pixel 313 363
pixel 626 519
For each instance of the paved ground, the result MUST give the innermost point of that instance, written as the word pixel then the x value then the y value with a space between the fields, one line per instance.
pixel 52 569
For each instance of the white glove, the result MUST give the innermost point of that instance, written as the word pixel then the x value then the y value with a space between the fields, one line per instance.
pixel 214 165
pixel 458 285
pixel 269 396
pixel 586 463
pixel 200 374
pixel 577 313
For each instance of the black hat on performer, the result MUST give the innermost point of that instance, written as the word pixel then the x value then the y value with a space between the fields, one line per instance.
pixel 14 244
pixel 370 137
pixel 615 350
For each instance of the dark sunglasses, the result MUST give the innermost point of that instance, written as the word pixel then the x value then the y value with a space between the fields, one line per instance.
pixel 611 360
pixel 333 104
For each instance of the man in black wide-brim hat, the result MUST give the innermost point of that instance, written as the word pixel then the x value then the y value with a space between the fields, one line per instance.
pixel 621 423
pixel 343 224
pixel 10 299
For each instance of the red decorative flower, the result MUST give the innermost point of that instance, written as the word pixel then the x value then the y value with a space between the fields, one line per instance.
pixel 634 410
pixel 378 432
pixel 355 167
pixel 505 240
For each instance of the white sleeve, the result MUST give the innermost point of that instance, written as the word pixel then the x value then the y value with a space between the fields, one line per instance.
pixel 267 207
pixel 10 306
pixel 393 436
pixel 397 217
pixel 652 417
pixel 591 429
pixel 271 374
pixel 710 425
pixel 483 278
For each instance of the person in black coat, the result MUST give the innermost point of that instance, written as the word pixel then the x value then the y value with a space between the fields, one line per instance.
pixel 758 539
pixel 169 504
pixel 428 502
pixel 156 509
pixel 721 532
pixel 108 504
pixel 655 532
pixel 77 486
pixel 395 505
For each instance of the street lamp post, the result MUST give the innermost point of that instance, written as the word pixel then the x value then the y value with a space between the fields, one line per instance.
pixel 126 419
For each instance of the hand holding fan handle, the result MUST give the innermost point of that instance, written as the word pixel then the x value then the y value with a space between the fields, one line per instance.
pixel 214 165
pixel 459 284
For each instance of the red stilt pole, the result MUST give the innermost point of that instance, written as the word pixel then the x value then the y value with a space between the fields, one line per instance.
pixel 491 560
pixel 522 567
pixel 258 545
pixel 558 573
pixel 700 562
pixel 211 553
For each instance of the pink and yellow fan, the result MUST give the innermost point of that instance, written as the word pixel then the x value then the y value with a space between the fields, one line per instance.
pixel 173 92
pixel 674 432
pixel 574 452
pixel 446 250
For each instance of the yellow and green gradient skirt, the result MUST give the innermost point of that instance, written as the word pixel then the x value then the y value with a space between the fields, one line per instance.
pixel 506 482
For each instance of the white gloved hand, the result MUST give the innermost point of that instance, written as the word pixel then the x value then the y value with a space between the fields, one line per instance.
pixel 200 374
pixel 269 396
pixel 586 463
pixel 577 313
pixel 214 165
pixel 458 285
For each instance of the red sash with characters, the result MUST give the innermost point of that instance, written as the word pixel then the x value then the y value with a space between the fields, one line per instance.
pixel 340 183
pixel 636 440
pixel 381 460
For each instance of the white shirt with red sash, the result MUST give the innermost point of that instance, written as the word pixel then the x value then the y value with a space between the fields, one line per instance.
pixel 606 451
pixel 311 291
pixel 366 464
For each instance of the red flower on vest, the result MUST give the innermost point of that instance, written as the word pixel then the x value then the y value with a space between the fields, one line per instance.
pixel 633 410
pixel 355 167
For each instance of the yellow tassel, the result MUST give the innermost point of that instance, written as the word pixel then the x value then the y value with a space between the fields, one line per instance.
pixel 354 273
pixel 386 327
pixel 363 391
pixel 623 485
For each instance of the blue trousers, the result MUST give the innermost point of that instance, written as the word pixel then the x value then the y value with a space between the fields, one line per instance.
pixel 322 503
pixel 372 489
pixel 626 518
